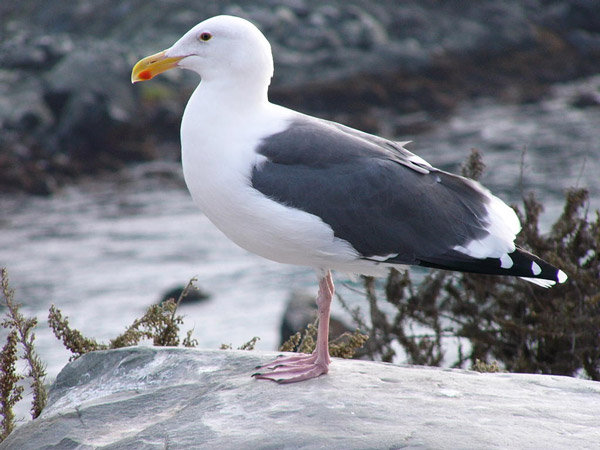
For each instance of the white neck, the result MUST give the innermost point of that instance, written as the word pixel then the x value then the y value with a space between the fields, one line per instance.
pixel 232 94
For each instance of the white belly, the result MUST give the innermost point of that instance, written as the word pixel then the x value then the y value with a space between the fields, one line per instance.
pixel 261 225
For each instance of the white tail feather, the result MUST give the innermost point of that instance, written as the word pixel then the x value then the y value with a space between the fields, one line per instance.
pixel 540 282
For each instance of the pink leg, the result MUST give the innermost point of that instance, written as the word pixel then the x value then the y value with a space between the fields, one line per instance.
pixel 303 367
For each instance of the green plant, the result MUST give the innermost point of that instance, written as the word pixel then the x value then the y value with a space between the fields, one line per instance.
pixel 159 324
pixel 10 391
pixel 483 367
pixel 245 346
pixel 344 346
pixel 20 333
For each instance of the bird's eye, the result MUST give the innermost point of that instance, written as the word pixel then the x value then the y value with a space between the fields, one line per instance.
pixel 205 36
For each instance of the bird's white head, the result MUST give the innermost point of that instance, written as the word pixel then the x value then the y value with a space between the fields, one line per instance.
pixel 222 48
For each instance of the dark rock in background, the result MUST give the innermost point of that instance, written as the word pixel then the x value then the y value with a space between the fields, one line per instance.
pixel 67 107
pixel 193 295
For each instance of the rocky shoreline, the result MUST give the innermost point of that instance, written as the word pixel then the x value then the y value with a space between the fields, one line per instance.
pixel 67 107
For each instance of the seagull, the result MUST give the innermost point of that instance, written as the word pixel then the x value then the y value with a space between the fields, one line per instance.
pixel 306 191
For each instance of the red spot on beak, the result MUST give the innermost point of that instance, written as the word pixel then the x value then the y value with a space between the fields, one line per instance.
pixel 145 75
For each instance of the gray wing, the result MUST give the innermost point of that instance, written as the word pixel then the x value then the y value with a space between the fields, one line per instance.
pixel 386 202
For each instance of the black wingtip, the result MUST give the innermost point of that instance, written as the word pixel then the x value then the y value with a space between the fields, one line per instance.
pixel 534 267
pixel 519 263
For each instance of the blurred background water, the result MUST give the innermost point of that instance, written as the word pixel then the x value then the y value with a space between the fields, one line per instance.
pixel 103 247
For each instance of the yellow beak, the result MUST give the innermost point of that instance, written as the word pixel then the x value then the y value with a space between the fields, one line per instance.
pixel 152 65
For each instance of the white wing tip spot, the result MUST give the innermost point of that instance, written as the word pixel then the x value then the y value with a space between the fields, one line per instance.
pixel 506 262
pixel 540 282
pixel 562 277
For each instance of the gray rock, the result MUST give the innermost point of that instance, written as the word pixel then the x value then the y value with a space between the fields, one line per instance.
pixel 156 398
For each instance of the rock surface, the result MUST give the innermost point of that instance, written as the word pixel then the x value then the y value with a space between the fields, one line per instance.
pixel 157 398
